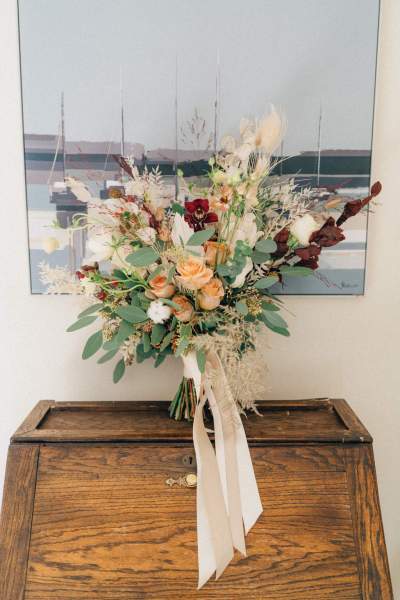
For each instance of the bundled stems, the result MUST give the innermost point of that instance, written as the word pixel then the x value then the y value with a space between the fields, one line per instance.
pixel 183 405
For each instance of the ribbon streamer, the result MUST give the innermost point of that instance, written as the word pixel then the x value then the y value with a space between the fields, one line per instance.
pixel 228 501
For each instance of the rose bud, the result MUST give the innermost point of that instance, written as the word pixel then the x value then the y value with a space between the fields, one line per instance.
pixel 216 253
pixel 160 287
pixel 185 312
pixel 211 294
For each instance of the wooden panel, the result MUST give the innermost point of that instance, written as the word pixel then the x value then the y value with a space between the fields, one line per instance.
pixel 303 420
pixel 16 517
pixel 368 528
pixel 107 527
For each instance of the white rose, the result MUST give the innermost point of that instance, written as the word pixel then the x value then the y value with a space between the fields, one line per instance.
pixel 50 244
pixel 158 312
pixel 147 235
pixel 303 227
pixel 101 247
pixel 239 280
pixel 246 231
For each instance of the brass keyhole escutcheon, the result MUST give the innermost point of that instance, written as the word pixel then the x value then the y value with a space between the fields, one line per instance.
pixel 189 480
pixel 189 460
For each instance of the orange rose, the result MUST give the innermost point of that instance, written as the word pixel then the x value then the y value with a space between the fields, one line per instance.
pixel 211 294
pixel 216 253
pixel 185 313
pixel 161 288
pixel 193 273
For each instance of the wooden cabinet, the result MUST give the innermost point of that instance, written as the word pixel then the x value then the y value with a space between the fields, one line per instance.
pixel 87 513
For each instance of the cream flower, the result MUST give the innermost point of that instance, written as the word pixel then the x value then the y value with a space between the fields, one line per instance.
pixel 210 295
pixel 303 227
pixel 181 231
pixel 50 244
pixel 185 312
pixel 193 273
pixel 246 231
pixel 101 247
pixel 147 235
pixel 240 279
pixel 158 312
pixel 270 131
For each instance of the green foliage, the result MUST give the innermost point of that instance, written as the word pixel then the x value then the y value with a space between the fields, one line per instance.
pixel 131 313
pixel 295 271
pixel 93 344
pixel 178 208
pixel 157 334
pixel 84 322
pixel 143 257
pixel 90 310
pixel 266 246
pixel 241 307
pixel 266 282
pixel 198 238
pixel 108 356
pixel 201 360
pixel 119 370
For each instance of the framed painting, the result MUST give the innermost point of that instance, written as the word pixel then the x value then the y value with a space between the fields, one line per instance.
pixel 165 81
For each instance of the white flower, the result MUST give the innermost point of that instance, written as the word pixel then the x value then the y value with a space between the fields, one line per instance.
pixel 114 204
pixel 246 231
pixel 89 288
pixel 158 312
pixel 181 231
pixel 50 244
pixel 147 235
pixel 303 227
pixel 239 280
pixel 79 189
pixel 135 187
pixel 101 246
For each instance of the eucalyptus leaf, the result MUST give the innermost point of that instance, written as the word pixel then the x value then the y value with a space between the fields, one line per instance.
pixel 84 322
pixel 259 257
pixel 170 303
pixel 90 310
pixel 93 344
pixel 119 370
pixel 157 334
pixel 132 314
pixel 183 344
pixel 166 341
pixel 142 257
pixel 146 342
pixel 160 359
pixel 242 308
pixel 266 282
pixel 201 360
pixel 295 271
pixel 266 246
pixel 178 208
pixel 108 356
pixel 198 238
pixel 156 272
pixel 274 319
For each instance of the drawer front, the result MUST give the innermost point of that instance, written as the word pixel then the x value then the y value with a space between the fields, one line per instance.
pixel 107 526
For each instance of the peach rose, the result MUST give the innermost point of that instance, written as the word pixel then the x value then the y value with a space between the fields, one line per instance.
pixel 185 313
pixel 161 288
pixel 211 294
pixel 193 273
pixel 216 253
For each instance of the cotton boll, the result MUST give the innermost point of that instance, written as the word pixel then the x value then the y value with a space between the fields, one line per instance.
pixel 158 312
pixel 303 227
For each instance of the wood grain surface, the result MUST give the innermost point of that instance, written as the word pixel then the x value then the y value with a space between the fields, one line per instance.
pixel 106 526
pixel 16 518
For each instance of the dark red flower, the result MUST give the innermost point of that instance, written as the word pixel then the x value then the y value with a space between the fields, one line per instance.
pixel 308 253
pixel 328 235
pixel 80 275
pixel 354 206
pixel 197 213
pixel 281 240
pixel 101 295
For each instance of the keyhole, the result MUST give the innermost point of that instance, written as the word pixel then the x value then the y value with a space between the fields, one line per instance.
pixel 189 460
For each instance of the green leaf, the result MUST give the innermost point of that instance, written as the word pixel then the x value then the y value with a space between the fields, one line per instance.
pixel 274 319
pixel 266 282
pixel 93 344
pixel 160 359
pixel 142 257
pixel 171 274
pixel 242 308
pixel 280 330
pixel 223 270
pixel 82 323
pixel 198 238
pixel 157 334
pixel 296 271
pixel 156 272
pixel 132 314
pixel 266 246
pixel 119 370
pixel 146 342
pixel 183 344
pixel 166 341
pixel 201 360
pixel 90 310
pixel 170 303
pixel 178 208
pixel 259 257
pixel 108 356
pixel 269 306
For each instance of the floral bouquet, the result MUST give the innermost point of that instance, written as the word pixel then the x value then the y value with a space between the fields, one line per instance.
pixel 188 271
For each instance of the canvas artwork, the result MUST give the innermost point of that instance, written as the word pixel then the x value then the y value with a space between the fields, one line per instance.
pixel 164 82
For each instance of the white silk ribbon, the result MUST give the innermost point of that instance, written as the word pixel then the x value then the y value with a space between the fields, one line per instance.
pixel 228 501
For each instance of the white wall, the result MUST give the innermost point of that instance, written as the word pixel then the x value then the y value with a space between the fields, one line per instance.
pixel 343 347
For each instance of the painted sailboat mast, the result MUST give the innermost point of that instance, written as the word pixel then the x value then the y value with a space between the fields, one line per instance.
pixel 216 103
pixel 319 145
pixel 176 131
pixel 122 141
pixel 63 135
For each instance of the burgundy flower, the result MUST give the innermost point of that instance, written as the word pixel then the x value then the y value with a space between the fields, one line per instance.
pixel 328 235
pixel 309 252
pixel 354 206
pixel 281 240
pixel 310 263
pixel 197 213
